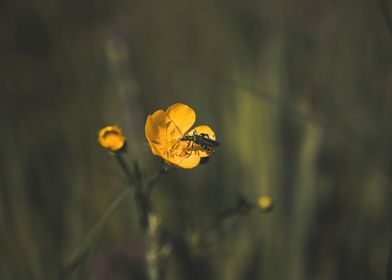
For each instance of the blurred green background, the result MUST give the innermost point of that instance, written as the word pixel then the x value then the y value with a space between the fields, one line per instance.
pixel 299 94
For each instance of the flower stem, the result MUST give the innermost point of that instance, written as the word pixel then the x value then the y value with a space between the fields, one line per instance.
pixel 148 221
pixel 125 168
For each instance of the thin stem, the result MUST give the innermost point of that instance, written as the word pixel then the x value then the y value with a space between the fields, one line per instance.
pixel 125 168
pixel 148 221
pixel 141 199
pixel 81 250
pixel 150 185
pixel 241 208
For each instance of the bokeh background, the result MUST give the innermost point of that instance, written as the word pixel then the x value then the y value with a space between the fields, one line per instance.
pixel 299 94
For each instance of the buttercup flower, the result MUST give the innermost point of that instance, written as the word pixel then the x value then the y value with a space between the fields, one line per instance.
pixel 265 203
pixel 165 132
pixel 111 138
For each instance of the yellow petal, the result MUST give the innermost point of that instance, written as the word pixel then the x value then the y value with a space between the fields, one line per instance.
pixel 155 148
pixel 155 131
pixel 206 130
pixel 155 128
pixel 182 117
pixel 187 162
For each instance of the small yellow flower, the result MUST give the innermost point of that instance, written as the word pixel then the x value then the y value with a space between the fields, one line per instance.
pixel 265 203
pixel 111 138
pixel 165 129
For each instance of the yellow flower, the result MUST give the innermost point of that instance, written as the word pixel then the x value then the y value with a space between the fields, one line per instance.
pixel 265 203
pixel 165 129
pixel 111 138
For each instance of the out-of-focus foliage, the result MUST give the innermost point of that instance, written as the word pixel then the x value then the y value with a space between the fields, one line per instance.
pixel 299 94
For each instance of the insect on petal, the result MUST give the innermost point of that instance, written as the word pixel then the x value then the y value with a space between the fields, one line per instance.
pixel 203 129
pixel 166 132
pixel 206 130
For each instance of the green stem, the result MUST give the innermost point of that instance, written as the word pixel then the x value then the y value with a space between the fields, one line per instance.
pixel 149 223
pixel 125 168
pixel 141 198
pixel 81 250
pixel 150 185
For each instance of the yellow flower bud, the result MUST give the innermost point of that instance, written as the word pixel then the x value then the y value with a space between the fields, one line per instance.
pixel 111 138
pixel 265 203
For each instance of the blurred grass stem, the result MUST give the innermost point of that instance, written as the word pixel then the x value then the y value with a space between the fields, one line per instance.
pixel 387 15
pixel 149 222
pixel 81 250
